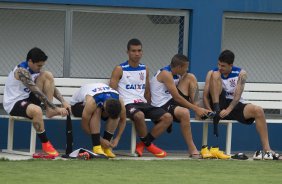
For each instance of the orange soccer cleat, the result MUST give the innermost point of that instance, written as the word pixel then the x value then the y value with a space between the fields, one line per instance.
pixel 156 151
pixel 49 149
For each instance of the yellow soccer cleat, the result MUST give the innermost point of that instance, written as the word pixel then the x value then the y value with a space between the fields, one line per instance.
pixel 216 153
pixel 205 152
pixel 109 153
pixel 99 151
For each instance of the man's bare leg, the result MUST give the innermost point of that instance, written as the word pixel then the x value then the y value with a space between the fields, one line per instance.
pixel 93 126
pixel 215 86
pixel 253 111
pixel 35 113
pixel 45 82
pixel 140 124
pixel 183 116
pixel 112 125
pixel 188 85
pixel 162 125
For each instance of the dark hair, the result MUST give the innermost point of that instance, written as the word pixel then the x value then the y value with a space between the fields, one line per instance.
pixel 133 41
pixel 226 56
pixel 36 55
pixel 113 108
pixel 178 60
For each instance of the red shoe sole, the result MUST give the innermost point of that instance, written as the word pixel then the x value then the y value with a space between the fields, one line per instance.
pixel 41 155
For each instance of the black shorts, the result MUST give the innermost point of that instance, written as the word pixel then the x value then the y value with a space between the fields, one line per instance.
pixel 20 106
pixel 237 113
pixel 172 104
pixel 77 110
pixel 150 112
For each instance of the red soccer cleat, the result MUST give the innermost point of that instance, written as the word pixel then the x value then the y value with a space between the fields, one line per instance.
pixel 43 156
pixel 49 149
pixel 156 151
pixel 139 149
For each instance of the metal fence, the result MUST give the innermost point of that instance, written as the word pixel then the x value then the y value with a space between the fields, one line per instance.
pixel 256 40
pixel 88 42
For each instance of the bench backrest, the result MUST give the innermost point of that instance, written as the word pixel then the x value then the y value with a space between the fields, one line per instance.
pixel 266 95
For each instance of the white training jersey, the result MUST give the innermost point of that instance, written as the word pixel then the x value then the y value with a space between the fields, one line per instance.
pixel 229 83
pixel 159 93
pixel 100 92
pixel 131 86
pixel 14 89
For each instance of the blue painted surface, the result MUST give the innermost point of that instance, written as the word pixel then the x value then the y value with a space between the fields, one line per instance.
pixel 204 47
pixel 244 137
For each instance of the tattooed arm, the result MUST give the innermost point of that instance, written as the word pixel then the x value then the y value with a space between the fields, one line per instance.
pixel 147 94
pixel 166 78
pixel 239 90
pixel 24 76
pixel 59 96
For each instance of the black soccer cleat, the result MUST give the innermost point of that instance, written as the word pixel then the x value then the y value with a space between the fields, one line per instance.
pixel 210 115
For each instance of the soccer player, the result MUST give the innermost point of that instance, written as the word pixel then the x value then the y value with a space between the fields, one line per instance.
pixel 131 80
pixel 176 91
pixel 26 87
pixel 93 102
pixel 223 94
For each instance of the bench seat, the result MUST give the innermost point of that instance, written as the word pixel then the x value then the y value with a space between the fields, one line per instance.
pixel 266 95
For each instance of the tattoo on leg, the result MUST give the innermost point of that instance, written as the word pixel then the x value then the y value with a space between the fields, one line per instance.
pixel 36 126
pixel 26 79
pixel 194 93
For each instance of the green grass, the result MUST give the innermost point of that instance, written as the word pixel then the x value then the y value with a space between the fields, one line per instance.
pixel 138 171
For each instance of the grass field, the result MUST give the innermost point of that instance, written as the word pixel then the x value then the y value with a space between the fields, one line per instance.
pixel 140 171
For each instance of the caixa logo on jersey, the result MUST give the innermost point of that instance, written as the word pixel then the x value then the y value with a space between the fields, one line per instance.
pixel 135 86
pixel 27 90
pixel 101 89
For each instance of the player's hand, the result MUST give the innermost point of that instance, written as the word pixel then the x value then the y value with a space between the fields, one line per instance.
pixel 224 112
pixel 62 111
pixel 202 112
pixel 114 143
pixel 105 143
pixel 66 105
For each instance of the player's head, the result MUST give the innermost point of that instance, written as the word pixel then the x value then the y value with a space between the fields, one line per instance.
pixel 36 55
pixel 225 62
pixel 226 56
pixel 179 64
pixel 36 59
pixel 133 42
pixel 134 50
pixel 113 108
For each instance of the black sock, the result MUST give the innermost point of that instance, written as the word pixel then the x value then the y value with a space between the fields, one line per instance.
pixel 43 137
pixel 108 136
pixel 216 107
pixel 142 139
pixel 95 139
pixel 148 139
